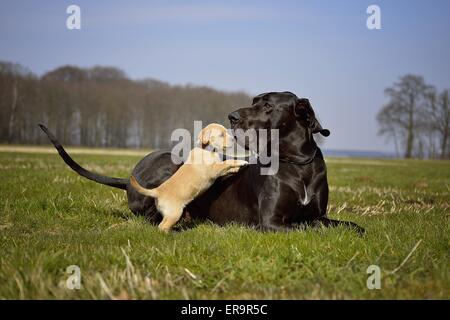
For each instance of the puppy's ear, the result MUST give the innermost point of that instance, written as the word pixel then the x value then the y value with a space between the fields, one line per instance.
pixel 225 138
pixel 204 138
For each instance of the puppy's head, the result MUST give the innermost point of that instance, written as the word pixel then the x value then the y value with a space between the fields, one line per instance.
pixel 215 136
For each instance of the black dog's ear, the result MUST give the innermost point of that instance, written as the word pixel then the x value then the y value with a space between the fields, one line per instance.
pixel 317 128
pixel 303 109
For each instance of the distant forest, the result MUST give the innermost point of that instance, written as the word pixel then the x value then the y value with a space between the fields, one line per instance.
pixel 102 107
pixel 416 118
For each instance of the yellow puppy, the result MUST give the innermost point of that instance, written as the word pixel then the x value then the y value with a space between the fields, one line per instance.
pixel 196 175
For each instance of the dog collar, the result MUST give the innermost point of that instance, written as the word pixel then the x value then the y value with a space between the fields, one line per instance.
pixel 300 163
pixel 225 156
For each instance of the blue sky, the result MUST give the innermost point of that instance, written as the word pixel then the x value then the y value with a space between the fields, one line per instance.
pixel 321 50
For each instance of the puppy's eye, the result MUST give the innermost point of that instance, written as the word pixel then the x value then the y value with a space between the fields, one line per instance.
pixel 267 108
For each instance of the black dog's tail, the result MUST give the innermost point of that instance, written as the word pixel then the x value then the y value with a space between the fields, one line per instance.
pixel 113 182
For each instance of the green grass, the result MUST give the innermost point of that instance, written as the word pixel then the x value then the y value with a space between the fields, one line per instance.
pixel 50 218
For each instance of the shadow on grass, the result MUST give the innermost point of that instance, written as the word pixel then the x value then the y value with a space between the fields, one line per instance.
pixel 185 225
pixel 126 215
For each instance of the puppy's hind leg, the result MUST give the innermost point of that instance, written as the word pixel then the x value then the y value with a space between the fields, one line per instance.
pixel 170 219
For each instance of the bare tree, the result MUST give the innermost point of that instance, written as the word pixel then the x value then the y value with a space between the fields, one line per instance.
pixel 12 117
pixel 437 115
pixel 13 79
pixel 406 99
pixel 387 119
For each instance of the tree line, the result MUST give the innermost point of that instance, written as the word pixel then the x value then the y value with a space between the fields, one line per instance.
pixel 416 118
pixel 102 107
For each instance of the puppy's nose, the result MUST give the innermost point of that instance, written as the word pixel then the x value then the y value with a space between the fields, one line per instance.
pixel 234 117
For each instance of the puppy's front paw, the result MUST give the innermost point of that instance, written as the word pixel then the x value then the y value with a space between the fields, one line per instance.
pixel 241 163
pixel 164 229
pixel 233 170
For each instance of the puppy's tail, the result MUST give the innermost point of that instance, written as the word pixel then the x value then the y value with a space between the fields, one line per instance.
pixel 146 192
pixel 112 182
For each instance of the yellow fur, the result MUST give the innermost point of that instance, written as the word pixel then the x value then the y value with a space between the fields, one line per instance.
pixel 196 175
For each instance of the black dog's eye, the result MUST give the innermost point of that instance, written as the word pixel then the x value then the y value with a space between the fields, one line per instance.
pixel 267 108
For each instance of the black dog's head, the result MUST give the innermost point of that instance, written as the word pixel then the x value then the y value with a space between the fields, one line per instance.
pixel 292 116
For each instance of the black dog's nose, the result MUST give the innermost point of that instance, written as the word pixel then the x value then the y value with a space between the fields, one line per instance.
pixel 234 117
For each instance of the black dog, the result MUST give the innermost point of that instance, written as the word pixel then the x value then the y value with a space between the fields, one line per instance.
pixel 296 195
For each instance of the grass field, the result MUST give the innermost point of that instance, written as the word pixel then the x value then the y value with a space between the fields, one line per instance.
pixel 51 218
